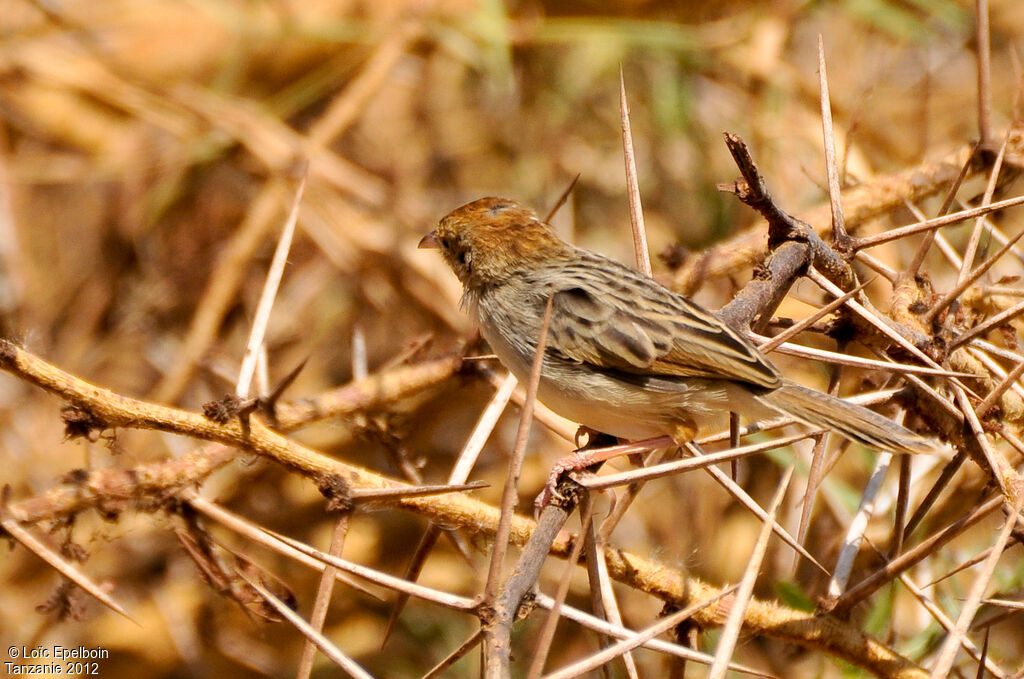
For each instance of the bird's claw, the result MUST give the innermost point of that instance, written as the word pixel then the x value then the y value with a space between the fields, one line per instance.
pixel 573 462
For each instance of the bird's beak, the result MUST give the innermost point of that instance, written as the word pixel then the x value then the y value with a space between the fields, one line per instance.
pixel 429 242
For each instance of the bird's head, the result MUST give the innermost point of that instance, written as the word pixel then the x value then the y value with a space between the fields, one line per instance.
pixel 490 238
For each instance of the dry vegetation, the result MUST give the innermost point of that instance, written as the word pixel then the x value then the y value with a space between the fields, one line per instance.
pixel 150 153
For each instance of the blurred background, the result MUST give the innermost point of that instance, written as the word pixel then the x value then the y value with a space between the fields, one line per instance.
pixel 149 153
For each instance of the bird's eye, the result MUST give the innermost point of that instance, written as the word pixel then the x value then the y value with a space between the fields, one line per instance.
pixel 498 208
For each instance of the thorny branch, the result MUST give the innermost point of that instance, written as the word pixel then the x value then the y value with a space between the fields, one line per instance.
pixel 114 410
pixel 795 248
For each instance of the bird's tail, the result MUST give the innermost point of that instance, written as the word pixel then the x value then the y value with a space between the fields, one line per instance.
pixel 852 421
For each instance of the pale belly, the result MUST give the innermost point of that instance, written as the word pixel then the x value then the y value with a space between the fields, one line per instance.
pixel 599 414
pixel 620 408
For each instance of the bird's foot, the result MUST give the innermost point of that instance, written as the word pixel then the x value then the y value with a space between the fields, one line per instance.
pixel 584 457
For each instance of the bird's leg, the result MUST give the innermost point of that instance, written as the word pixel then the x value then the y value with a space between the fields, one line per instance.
pixel 583 457
pixel 600 448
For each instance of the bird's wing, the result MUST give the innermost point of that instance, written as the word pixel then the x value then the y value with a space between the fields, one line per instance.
pixel 597 321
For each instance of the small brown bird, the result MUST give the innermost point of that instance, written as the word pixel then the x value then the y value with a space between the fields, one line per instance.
pixel 624 355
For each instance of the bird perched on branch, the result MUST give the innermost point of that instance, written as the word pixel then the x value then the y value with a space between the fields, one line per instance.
pixel 624 355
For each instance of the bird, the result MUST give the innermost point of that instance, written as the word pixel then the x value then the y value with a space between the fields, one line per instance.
pixel 624 355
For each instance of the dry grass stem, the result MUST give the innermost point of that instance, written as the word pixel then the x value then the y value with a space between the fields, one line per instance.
pixel 839 234
pixel 62 566
pixel 904 561
pixel 656 471
pixel 636 211
pixel 731 630
pixel 984 56
pixel 855 532
pixel 325 645
pixel 258 535
pixel 929 237
pixel 602 595
pixel 969 280
pixel 323 599
pixel 744 499
pixel 638 639
pixel 948 624
pixel 937 222
pixel 947 654
pixel 606 628
pixel 456 655
pixel 804 323
pixel 971 250
pixel 383 579
pixel 262 316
